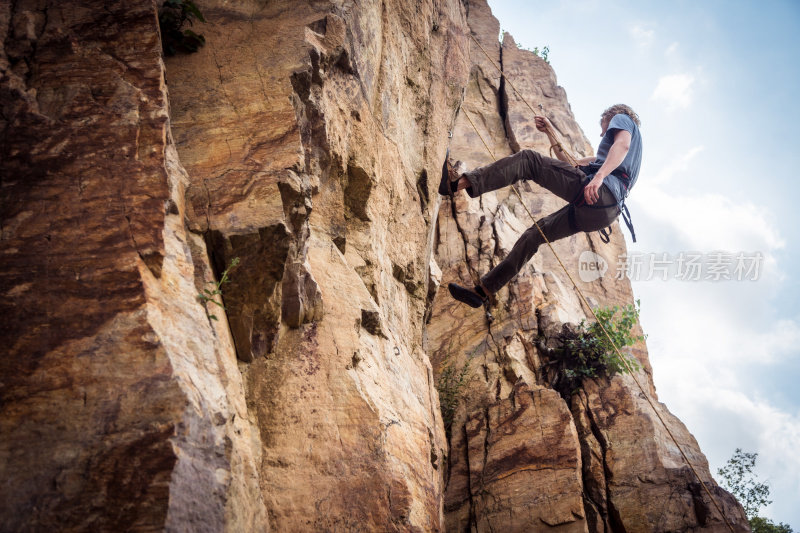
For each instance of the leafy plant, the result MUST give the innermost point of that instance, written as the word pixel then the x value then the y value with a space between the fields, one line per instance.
pixel 543 53
pixel 209 296
pixel 450 384
pixel 765 525
pixel 172 17
pixel 738 478
pixel 586 351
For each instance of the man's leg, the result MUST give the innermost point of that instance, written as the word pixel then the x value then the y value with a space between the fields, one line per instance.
pixel 555 226
pixel 562 179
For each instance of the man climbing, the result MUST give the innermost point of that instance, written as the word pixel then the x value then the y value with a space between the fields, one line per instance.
pixel 595 189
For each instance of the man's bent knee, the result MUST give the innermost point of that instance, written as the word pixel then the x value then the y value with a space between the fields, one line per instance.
pixel 534 158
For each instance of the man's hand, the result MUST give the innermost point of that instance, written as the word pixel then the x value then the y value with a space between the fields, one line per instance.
pixel 543 125
pixel 591 193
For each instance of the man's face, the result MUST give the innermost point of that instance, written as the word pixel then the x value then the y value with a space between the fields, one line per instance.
pixel 604 122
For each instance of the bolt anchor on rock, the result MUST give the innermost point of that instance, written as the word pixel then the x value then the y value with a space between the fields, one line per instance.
pixel 489 316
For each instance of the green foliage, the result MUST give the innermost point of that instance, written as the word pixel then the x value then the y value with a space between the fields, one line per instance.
pixel 209 296
pixel 738 478
pixel 765 525
pixel 172 17
pixel 450 385
pixel 587 352
pixel 593 343
pixel 543 53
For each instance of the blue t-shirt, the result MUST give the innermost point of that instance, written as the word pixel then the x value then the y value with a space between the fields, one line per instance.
pixel 629 166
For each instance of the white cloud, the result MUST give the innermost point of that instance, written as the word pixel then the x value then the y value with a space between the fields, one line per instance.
pixel 714 323
pixel 675 90
pixel 709 221
pixel 642 36
pixel 675 166
pixel 671 49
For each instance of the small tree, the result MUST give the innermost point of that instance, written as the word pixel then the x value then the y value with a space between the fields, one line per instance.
pixel 738 478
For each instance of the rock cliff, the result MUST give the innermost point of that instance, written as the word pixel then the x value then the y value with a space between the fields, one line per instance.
pixel 304 140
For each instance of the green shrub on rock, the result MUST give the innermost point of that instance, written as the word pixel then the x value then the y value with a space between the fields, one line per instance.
pixel 586 351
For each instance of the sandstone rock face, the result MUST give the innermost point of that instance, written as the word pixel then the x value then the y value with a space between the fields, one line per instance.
pixel 521 457
pixel 122 406
pixel 305 141
pixel 309 132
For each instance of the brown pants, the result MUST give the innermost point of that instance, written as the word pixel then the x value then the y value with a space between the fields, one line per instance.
pixel 558 177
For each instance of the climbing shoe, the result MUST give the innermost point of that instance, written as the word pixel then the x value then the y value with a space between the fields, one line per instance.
pixel 473 298
pixel 450 177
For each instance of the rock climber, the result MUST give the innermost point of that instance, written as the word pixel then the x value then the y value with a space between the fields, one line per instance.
pixel 596 189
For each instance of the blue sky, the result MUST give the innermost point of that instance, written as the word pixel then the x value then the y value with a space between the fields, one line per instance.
pixel 717 86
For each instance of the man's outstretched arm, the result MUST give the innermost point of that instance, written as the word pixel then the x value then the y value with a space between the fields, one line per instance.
pixel 616 155
pixel 543 125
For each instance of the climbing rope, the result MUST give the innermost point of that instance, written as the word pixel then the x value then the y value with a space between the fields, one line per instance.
pixel 580 293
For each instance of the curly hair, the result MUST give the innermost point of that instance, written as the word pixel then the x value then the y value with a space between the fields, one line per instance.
pixel 621 108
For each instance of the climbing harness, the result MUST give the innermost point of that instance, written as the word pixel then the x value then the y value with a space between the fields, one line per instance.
pixel 605 233
pixel 580 293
